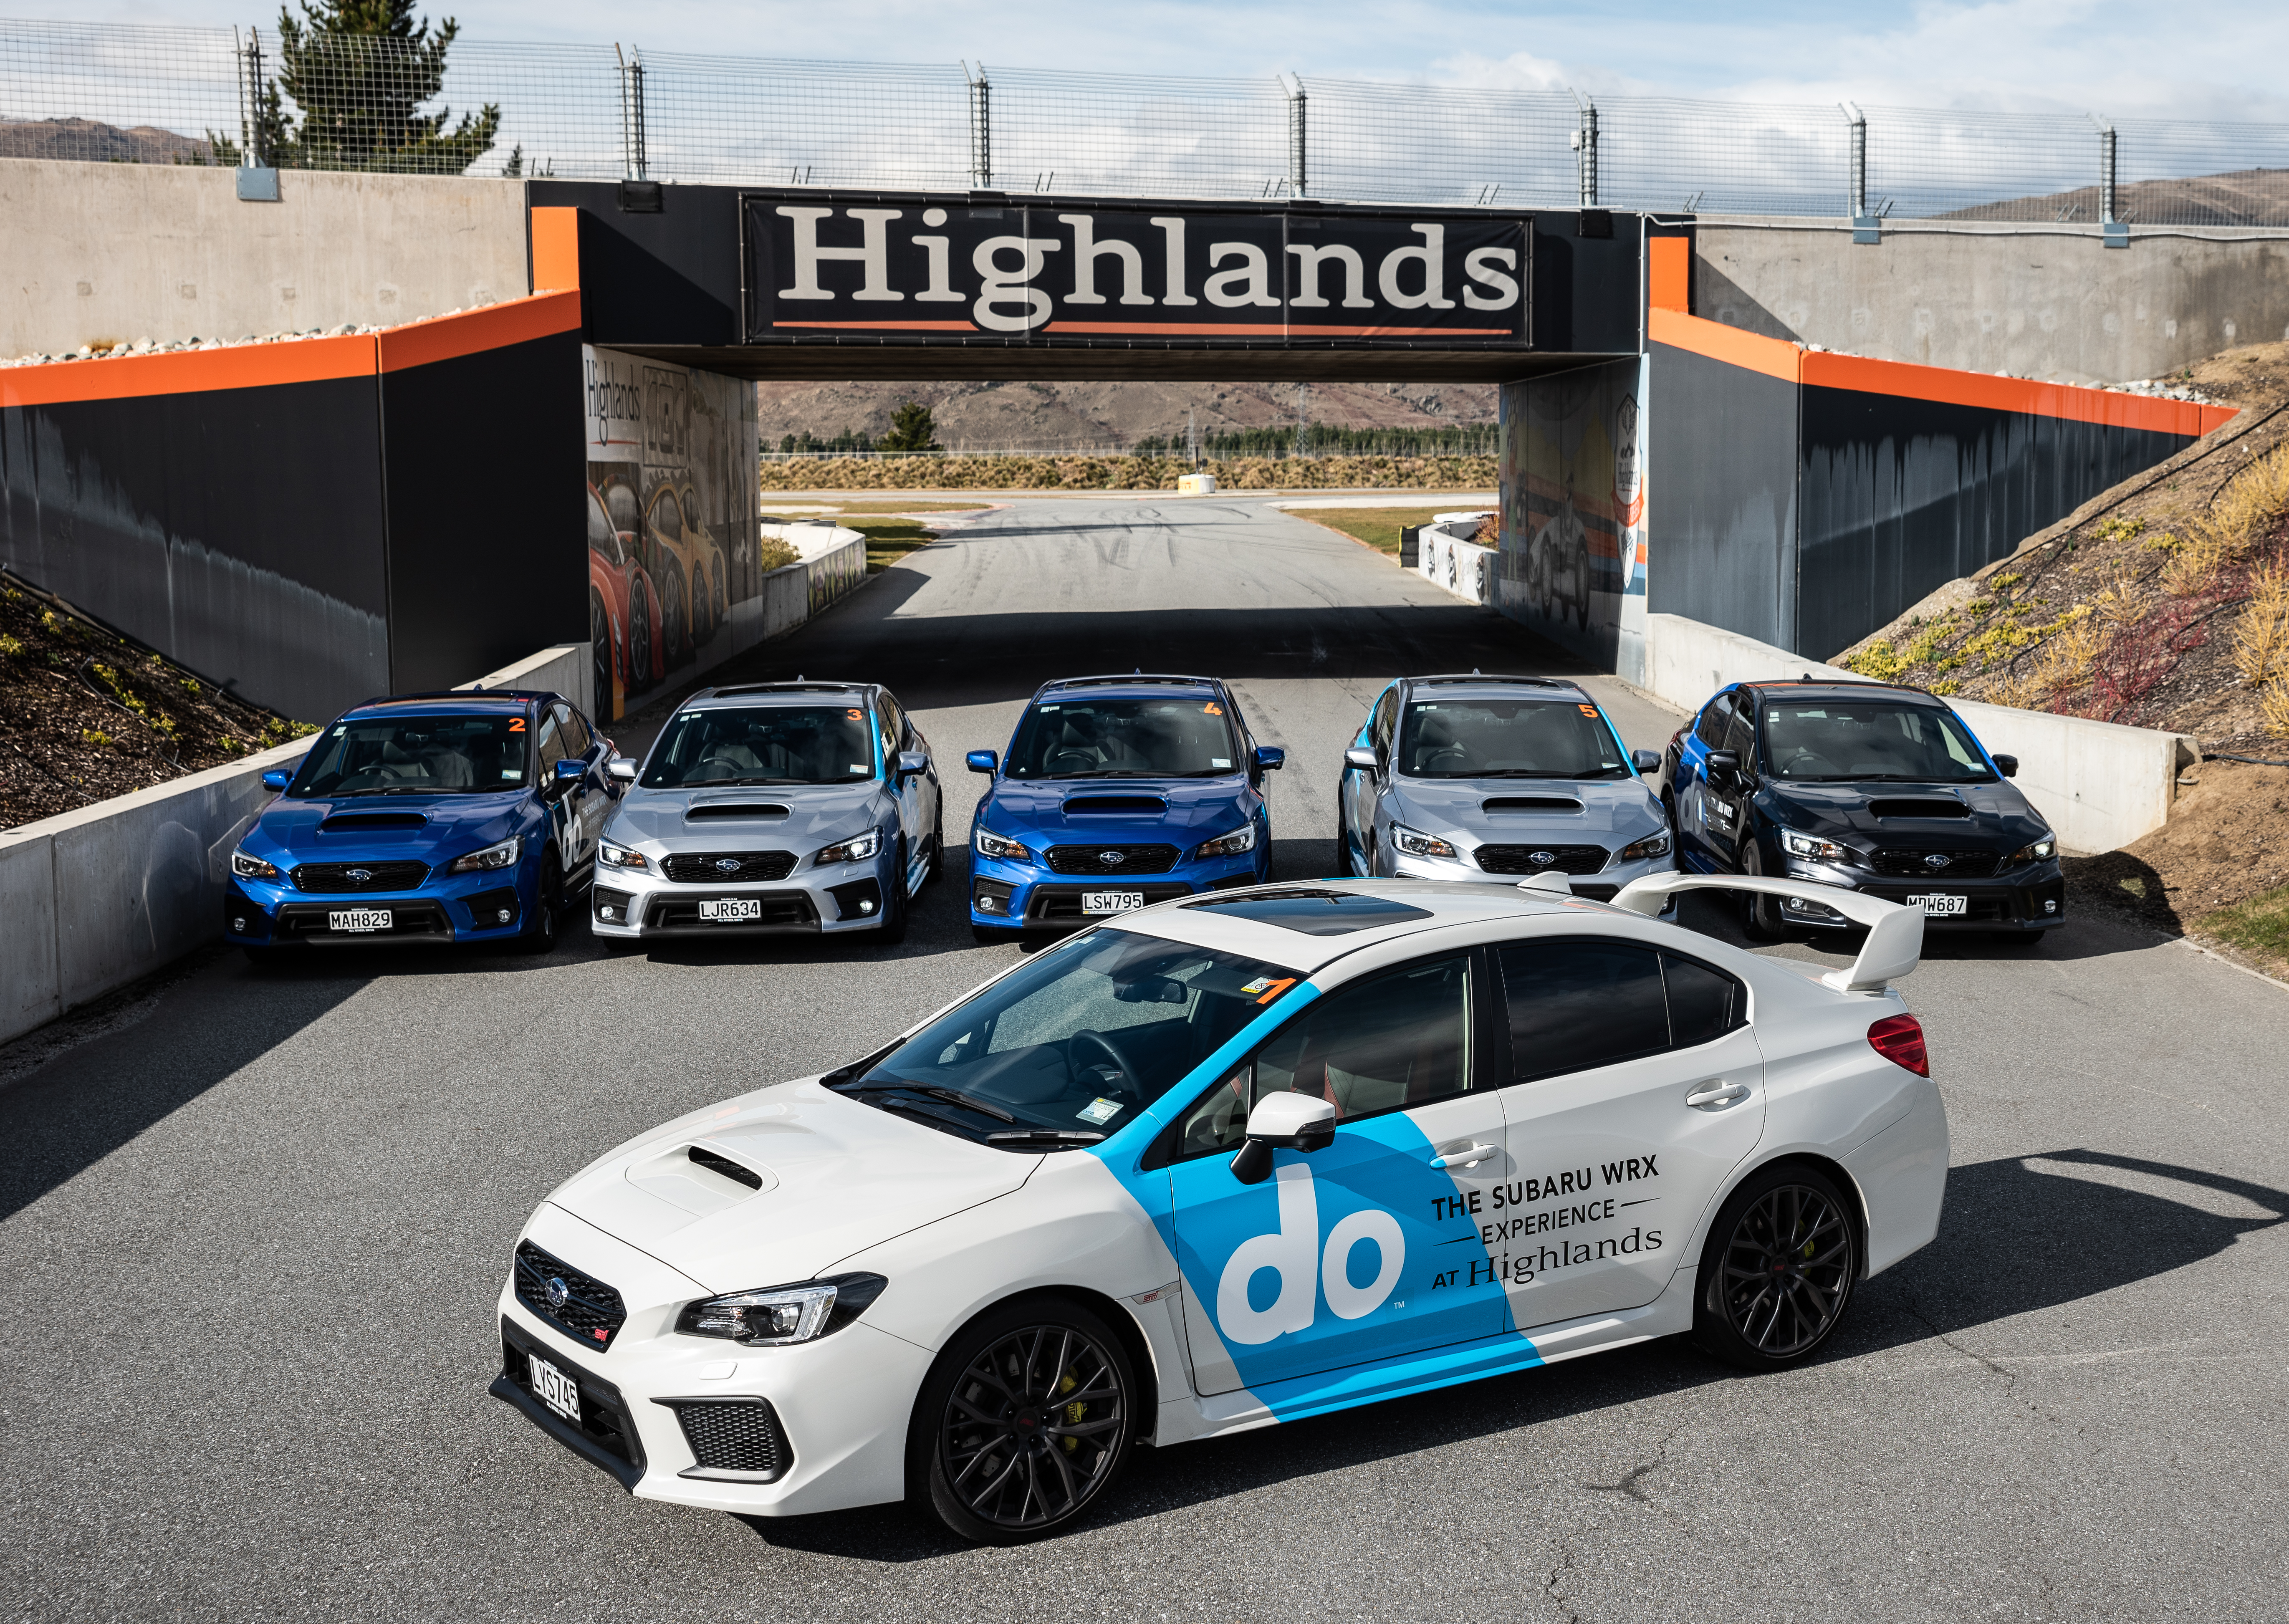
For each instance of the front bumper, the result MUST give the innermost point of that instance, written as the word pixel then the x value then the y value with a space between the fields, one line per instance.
pixel 1601 887
pixel 639 904
pixel 840 1404
pixel 1025 895
pixel 2032 901
pixel 442 910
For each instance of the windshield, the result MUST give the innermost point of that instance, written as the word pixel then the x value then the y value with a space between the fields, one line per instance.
pixel 415 756
pixel 1841 739
pixel 1070 1048
pixel 1189 737
pixel 780 743
pixel 1508 738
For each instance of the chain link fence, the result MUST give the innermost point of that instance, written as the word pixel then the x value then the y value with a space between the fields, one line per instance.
pixel 117 93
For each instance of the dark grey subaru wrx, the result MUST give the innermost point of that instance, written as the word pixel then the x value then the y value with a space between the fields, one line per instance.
pixel 1867 786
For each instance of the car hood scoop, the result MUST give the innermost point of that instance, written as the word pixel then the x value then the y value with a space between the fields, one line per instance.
pixel 1529 803
pixel 707 809
pixel 1115 806
pixel 831 1177
pixel 1925 807
pixel 358 822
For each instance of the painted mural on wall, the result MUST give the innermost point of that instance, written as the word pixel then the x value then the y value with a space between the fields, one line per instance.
pixel 1573 560
pixel 672 499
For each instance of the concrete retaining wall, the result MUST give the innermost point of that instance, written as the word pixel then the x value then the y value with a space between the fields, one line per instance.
pixel 2027 301
pixel 1446 556
pixel 135 250
pixel 97 898
pixel 2100 786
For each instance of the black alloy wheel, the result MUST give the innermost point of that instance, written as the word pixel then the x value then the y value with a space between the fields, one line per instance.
pixel 600 642
pixel 639 634
pixel 893 927
pixel 1778 1270
pixel 1760 915
pixel 541 930
pixel 937 844
pixel 1025 1419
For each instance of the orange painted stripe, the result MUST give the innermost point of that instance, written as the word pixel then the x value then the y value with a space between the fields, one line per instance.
pixel 246 366
pixel 1950 387
pixel 555 238
pixel 1773 357
pixel 512 320
pixel 1669 272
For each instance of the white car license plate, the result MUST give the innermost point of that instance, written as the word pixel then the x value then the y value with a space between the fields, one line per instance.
pixel 358 918
pixel 1940 906
pixel 732 910
pixel 1111 902
pixel 555 1388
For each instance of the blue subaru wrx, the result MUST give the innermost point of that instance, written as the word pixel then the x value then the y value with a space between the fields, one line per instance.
pixel 425 818
pixel 1118 793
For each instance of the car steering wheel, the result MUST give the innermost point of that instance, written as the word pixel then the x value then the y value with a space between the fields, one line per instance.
pixel 1122 1064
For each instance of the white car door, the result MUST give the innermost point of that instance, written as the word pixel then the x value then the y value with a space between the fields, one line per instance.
pixel 1637 1088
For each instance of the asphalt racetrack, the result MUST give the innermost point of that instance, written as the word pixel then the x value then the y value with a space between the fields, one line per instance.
pixel 252 1229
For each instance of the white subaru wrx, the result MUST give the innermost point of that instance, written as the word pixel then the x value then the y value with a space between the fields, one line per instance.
pixel 1234 1160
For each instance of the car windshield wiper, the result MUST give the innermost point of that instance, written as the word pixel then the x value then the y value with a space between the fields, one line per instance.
pixel 1043 1136
pixel 952 1096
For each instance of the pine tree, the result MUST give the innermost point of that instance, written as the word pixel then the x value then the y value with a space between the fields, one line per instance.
pixel 912 429
pixel 359 71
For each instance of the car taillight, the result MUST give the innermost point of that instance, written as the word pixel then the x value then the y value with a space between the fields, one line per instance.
pixel 1900 1040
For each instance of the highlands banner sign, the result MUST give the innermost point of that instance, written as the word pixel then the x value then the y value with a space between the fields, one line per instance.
pixel 913 268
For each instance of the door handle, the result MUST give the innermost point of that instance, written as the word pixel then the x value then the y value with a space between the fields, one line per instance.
pixel 1467 1155
pixel 1716 1095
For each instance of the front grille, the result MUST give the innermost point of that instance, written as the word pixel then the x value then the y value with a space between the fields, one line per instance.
pixel 1908 864
pixel 789 910
pixel 604 1421
pixel 1541 859
pixel 697 868
pixel 1061 904
pixel 1976 910
pixel 341 877
pixel 1116 860
pixel 734 1435
pixel 592 1312
pixel 423 918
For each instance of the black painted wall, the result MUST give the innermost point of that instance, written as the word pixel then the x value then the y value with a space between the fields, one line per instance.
pixel 1722 496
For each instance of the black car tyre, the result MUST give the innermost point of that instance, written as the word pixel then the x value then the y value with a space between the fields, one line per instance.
pixel 892 930
pixel 639 635
pixel 936 867
pixel 1760 915
pixel 1778 1270
pixel 1025 1422
pixel 545 925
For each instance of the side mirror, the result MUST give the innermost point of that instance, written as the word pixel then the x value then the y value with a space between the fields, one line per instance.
pixel 1362 758
pixel 622 768
pixel 912 763
pixel 276 779
pixel 2008 766
pixel 1724 766
pixel 1271 758
pixel 983 762
pixel 570 770
pixel 1645 761
pixel 1283 1121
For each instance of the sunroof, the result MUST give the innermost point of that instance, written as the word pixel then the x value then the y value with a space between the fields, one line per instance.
pixel 1314 912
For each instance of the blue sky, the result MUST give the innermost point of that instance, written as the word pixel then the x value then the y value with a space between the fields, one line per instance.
pixel 2218 60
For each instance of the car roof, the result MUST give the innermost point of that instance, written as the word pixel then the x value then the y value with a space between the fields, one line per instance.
pixel 1833 689
pixel 1136 684
pixel 800 689
pixel 1477 686
pixel 1274 923
pixel 484 701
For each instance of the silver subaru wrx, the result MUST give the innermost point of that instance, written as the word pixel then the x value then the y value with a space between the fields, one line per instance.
pixel 1481 777
pixel 772 808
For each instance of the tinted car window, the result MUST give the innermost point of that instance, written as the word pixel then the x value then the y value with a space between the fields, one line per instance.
pixel 415 756
pixel 1398 1040
pixel 1574 1004
pixel 1507 738
pixel 1860 740
pixel 1710 728
pixel 1386 715
pixel 577 739
pixel 548 744
pixel 791 743
pixel 1187 737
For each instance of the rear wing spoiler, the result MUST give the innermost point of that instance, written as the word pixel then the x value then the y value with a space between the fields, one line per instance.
pixel 1895 935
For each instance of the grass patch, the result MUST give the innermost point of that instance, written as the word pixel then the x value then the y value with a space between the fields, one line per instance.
pixel 889 540
pixel 2259 925
pixel 1378 527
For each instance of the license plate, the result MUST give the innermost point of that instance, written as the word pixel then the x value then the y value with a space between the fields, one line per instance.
pixel 358 918
pixel 1111 902
pixel 555 1388
pixel 1939 906
pixel 732 910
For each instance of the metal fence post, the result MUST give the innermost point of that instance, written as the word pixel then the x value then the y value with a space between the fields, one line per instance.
pixel 2112 232
pixel 1299 151
pixel 1865 227
pixel 981 128
pixel 1585 150
pixel 632 111
pixel 258 173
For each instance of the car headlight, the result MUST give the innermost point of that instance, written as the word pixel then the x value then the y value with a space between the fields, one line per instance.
pixel 620 856
pixel 2039 851
pixel 778 1315
pixel 1242 838
pixel 992 845
pixel 1652 846
pixel 852 851
pixel 1813 848
pixel 1415 843
pixel 253 868
pixel 502 854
